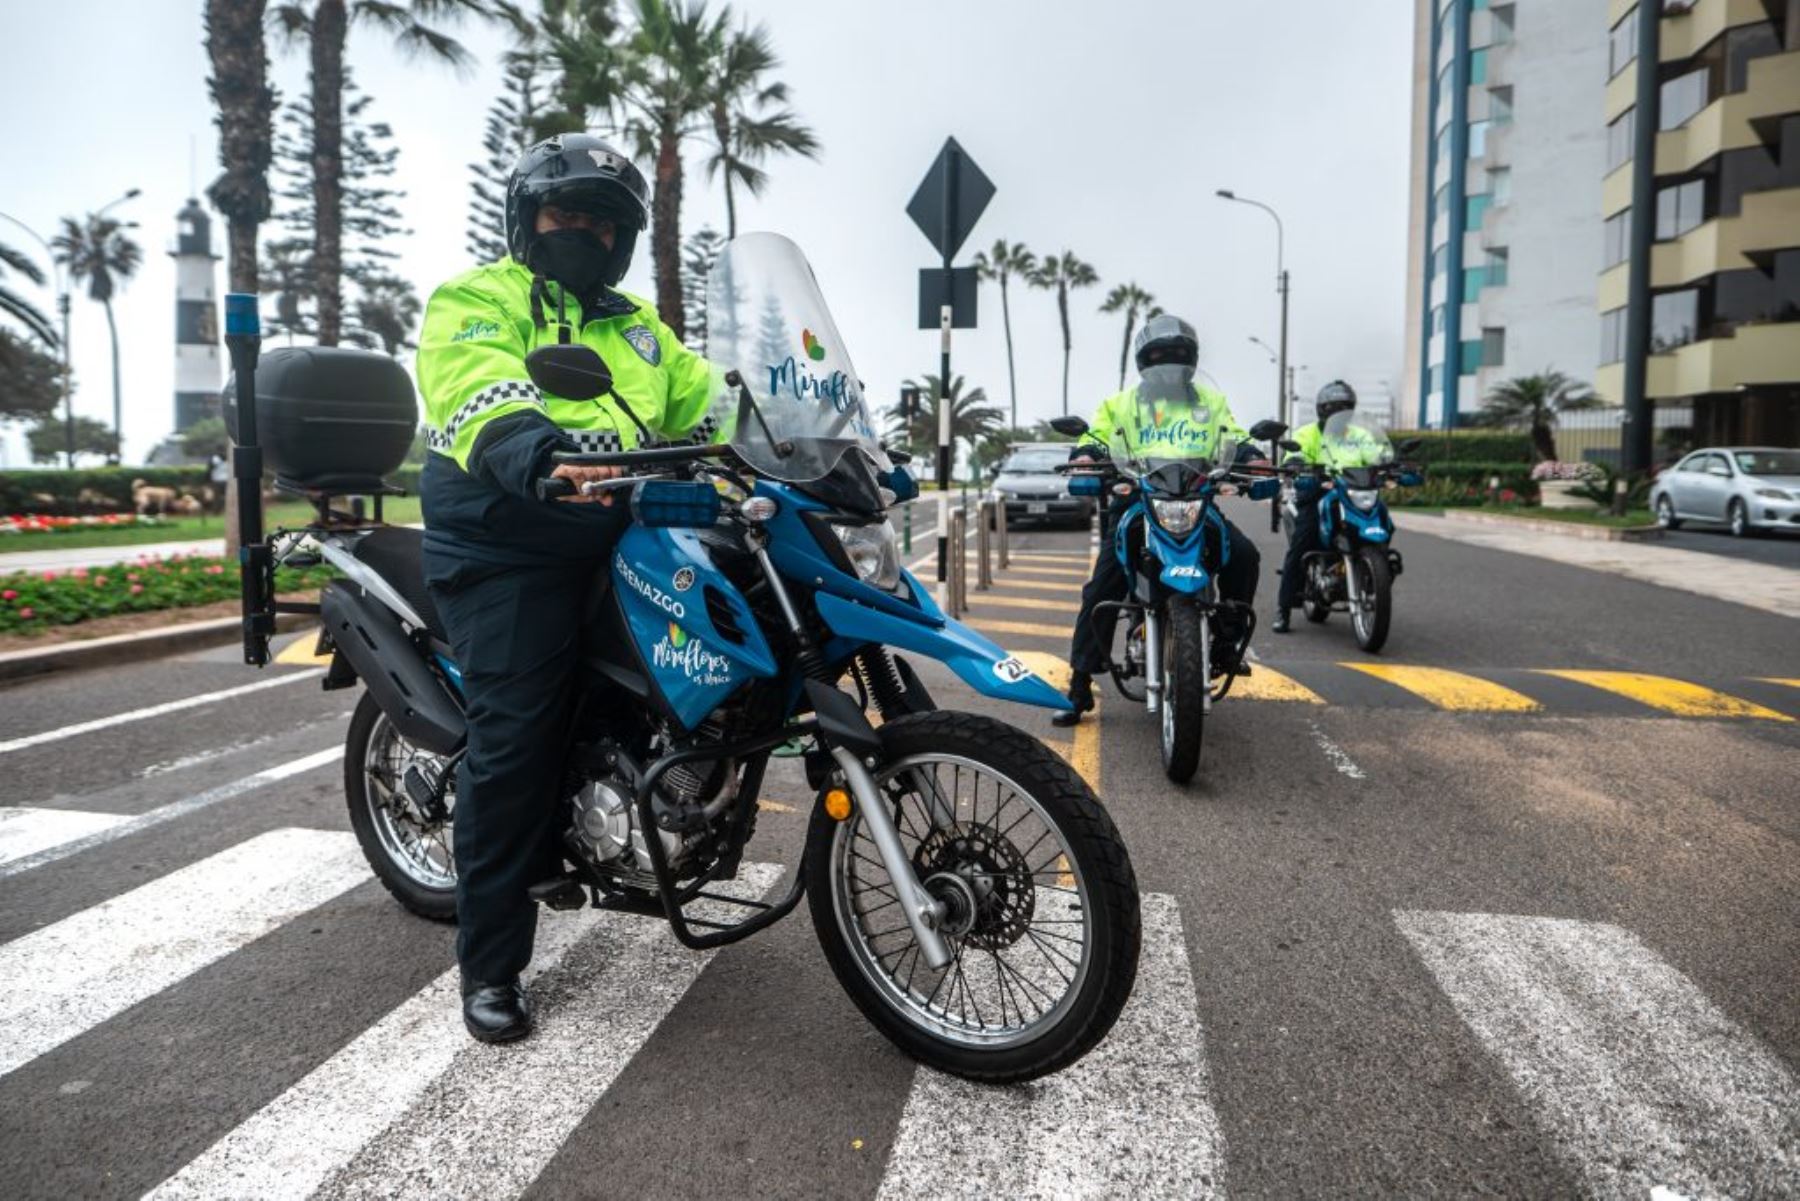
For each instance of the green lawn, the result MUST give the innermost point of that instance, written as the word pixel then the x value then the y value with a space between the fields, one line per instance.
pixel 400 509
pixel 1632 517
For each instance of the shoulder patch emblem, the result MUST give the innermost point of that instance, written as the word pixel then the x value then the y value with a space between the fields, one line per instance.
pixel 645 343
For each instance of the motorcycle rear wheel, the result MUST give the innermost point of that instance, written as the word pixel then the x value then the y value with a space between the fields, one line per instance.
pixel 1042 904
pixel 412 855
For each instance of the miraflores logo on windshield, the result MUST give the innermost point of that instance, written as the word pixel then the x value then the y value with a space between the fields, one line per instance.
pixel 682 651
pixel 646 589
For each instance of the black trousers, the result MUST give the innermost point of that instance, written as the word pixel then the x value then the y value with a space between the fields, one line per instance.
pixel 1091 644
pixel 516 633
pixel 1303 538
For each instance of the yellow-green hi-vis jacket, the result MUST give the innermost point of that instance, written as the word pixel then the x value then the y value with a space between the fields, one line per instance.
pixel 491 431
pixel 1356 446
pixel 1165 429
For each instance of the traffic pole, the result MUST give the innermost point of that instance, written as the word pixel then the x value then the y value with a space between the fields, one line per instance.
pixel 943 457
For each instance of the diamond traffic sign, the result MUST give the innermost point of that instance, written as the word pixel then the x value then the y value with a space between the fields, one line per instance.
pixel 950 199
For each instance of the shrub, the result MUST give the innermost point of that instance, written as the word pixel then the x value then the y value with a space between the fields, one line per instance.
pixel 1466 484
pixel 34 601
pixel 1466 446
pixel 1599 487
pixel 1550 469
pixel 72 492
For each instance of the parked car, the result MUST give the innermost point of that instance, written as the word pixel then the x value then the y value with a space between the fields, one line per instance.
pixel 1746 488
pixel 1028 484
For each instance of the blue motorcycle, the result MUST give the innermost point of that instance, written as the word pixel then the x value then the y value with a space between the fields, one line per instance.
pixel 968 889
pixel 1168 540
pixel 1355 570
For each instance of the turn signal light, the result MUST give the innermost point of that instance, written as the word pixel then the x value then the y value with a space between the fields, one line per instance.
pixel 837 805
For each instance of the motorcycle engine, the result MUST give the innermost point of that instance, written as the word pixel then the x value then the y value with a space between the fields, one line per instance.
pixel 607 830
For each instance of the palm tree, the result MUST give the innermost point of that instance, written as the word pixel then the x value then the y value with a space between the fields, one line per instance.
pixel 745 133
pixel 325 26
pixel 971 417
pixel 1532 403
pixel 240 87
pixel 99 253
pixel 1130 300
pixel 16 306
pixel 1004 261
pixel 1062 273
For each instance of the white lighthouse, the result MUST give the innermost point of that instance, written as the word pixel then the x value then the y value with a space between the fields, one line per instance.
pixel 198 367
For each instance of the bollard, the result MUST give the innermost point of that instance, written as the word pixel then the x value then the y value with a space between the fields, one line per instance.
pixel 906 525
pixel 1000 531
pixel 957 575
pixel 984 545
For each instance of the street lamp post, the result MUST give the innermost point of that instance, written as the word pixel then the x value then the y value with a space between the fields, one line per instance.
pixel 60 283
pixel 1281 286
pixel 118 408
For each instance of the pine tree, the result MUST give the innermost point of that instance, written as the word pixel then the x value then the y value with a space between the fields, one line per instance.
pixel 510 131
pixel 697 258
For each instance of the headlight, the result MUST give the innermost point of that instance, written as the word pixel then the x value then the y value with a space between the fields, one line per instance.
pixel 1774 494
pixel 872 552
pixel 1362 498
pixel 1176 516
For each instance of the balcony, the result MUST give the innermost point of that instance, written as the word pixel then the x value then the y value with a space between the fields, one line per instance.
pixel 1613 287
pixel 1686 35
pixel 1621 92
pixel 1769 221
pixel 1734 121
pixel 1615 191
pixel 1756 355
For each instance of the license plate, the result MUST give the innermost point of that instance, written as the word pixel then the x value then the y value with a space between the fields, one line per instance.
pixel 1037 508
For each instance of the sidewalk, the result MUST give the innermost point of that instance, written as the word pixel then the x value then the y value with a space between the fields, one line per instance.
pixel 1758 585
pixel 103 556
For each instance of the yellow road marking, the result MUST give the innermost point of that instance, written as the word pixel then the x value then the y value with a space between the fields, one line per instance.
pixel 1031 629
pixel 1060 571
pixel 1083 754
pixel 1671 696
pixel 1039 585
pixel 776 807
pixel 1450 689
pixel 1025 602
pixel 1267 684
pixel 299 653
pixel 1779 680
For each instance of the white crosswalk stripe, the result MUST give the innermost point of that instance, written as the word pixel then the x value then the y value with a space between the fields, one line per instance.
pixel 1134 1116
pixel 57 982
pixel 1638 1076
pixel 26 832
pixel 394 1114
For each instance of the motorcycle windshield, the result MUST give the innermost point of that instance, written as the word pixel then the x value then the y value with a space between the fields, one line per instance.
pixel 767 320
pixel 1348 440
pixel 1170 423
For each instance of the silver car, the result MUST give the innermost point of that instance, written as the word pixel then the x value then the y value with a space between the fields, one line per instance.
pixel 1029 485
pixel 1746 488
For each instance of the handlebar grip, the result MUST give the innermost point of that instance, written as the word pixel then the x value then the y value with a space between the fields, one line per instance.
pixel 553 487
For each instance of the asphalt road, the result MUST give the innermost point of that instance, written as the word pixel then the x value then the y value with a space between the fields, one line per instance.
pixel 1779 547
pixel 1482 929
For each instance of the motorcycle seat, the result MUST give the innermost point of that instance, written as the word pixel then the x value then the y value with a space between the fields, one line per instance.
pixel 396 554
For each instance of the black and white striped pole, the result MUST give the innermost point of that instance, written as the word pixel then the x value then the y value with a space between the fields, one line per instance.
pixel 243 338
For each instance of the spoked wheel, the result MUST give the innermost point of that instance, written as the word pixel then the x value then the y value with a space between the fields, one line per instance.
pixel 1129 680
pixel 1184 689
pixel 1317 603
pixel 1737 520
pixel 411 851
pixel 1041 906
pixel 1373 603
pixel 1665 513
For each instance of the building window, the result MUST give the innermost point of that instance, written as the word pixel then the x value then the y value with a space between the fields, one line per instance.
pixel 1684 96
pixel 1500 184
pixel 1440 259
pixel 1500 104
pixel 1622 44
pixel 1477 68
pixel 1478 131
pixel 1476 209
pixel 1438 207
pixel 1679 209
pixel 1743 45
pixel 1437 319
pixel 1616 233
pixel 1443 145
pixel 1674 319
pixel 1493 347
pixel 1752 297
pixel 1496 268
pixel 1435 378
pixel 1471 358
pixel 1474 279
pixel 1612 336
pixel 1619 137
pixel 1502 25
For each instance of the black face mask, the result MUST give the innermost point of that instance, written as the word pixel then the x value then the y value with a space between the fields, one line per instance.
pixel 574 258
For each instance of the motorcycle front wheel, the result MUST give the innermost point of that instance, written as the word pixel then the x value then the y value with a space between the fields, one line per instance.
pixel 1185 686
pixel 1040 899
pixel 1374 601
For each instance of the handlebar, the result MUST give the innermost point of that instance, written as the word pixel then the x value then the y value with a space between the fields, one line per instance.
pixel 633 458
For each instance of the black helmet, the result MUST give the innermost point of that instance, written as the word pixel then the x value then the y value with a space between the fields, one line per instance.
pixel 582 172
pixel 1168 332
pixel 1335 397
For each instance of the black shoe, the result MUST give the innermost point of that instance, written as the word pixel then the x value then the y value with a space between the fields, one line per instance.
pixel 1282 624
pixel 1081 695
pixel 496 1013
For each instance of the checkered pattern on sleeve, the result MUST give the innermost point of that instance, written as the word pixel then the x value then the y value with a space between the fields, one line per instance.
pixel 512 391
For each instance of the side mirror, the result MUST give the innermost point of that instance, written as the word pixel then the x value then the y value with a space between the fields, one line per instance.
pixel 899 458
pixel 1410 446
pixel 572 372
pixel 1074 427
pixel 1267 429
pixel 1289 445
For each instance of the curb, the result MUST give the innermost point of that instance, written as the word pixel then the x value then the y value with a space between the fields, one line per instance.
pixel 1573 529
pixel 115 649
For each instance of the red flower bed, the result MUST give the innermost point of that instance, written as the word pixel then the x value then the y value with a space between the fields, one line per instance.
pixel 36 600
pixel 37 523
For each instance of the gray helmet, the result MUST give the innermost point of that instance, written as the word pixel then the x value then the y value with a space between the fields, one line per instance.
pixel 1335 397
pixel 1165 332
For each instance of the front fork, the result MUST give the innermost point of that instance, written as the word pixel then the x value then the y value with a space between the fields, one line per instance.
pixel 1153 669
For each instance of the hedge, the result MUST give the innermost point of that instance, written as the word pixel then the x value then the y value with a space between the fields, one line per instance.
pixel 1467 446
pixel 34 601
pixel 1467 484
pixel 23 491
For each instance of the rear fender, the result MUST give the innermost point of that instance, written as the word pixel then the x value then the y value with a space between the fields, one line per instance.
pixel 371 637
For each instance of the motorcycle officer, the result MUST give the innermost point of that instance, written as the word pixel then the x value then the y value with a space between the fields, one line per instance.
pixel 1351 446
pixel 1167 415
pixel 508 573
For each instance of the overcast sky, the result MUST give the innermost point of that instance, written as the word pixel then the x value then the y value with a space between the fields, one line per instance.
pixel 1106 128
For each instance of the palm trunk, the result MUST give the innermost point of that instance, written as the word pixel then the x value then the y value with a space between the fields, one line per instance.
pixel 665 240
pixel 112 328
pixel 1543 441
pixel 1062 305
pixel 329 30
pixel 1125 347
pixel 721 119
pixel 1012 380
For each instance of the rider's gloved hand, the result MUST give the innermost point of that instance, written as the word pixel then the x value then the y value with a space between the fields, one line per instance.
pixel 579 475
pixel 1089 452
